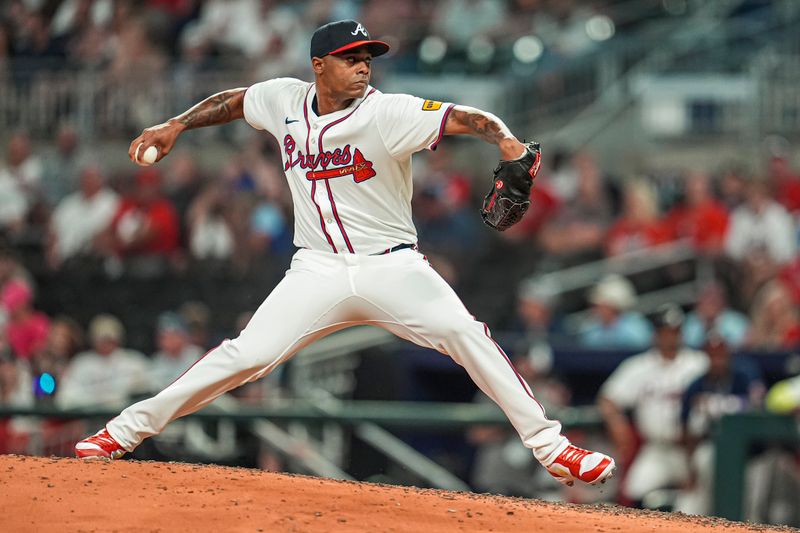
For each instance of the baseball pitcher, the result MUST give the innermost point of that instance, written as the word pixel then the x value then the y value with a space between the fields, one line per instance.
pixel 346 151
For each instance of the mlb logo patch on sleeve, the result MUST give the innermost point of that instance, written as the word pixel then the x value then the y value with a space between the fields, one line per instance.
pixel 431 105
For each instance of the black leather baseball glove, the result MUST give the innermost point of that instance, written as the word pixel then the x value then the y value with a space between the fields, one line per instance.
pixel 510 195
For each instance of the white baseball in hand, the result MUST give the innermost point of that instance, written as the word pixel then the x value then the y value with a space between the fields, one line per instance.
pixel 148 157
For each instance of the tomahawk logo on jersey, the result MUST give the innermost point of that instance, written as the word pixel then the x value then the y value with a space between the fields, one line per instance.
pixel 361 169
pixel 371 141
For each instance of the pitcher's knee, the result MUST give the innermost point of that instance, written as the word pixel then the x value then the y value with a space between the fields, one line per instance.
pixel 447 329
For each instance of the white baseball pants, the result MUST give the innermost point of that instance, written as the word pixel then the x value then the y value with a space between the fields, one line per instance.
pixel 325 292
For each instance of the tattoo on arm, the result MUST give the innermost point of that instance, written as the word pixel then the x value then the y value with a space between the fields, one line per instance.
pixel 220 108
pixel 478 123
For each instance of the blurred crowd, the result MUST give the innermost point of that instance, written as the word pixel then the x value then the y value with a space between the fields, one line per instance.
pixel 743 224
pixel 147 222
pixel 270 37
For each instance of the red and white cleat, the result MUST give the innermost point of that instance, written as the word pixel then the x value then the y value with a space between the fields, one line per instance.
pixel 576 463
pixel 101 445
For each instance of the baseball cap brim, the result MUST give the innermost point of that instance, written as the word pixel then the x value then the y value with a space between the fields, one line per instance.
pixel 376 48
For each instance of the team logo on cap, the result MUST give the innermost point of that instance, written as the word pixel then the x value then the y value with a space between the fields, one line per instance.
pixel 360 29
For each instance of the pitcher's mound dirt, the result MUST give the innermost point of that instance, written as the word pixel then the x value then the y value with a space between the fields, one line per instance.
pixel 52 494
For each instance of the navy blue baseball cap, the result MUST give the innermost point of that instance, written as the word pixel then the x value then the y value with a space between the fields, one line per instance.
pixel 343 35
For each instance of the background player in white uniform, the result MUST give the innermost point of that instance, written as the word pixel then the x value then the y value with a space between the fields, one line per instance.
pixel 347 157
pixel 651 385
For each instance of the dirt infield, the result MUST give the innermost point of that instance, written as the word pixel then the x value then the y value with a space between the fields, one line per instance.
pixel 51 494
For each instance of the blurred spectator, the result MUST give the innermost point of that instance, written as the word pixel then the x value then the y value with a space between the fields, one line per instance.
pixel 13 205
pixel 461 21
pixel 579 226
pixel 502 464
pixel 785 182
pixel 402 23
pixel 726 388
pixel 175 352
pixel 639 227
pixel 182 183
pixel 64 340
pixel 562 28
pixel 197 317
pixel 320 12
pixel 62 166
pixel 137 65
pixel 761 239
pixel 22 167
pixel 536 308
pixel 80 217
pixel 284 41
pixel 775 319
pixel 761 228
pixel 733 185
pixel 210 234
pixel 700 217
pixel 650 385
pixel 19 184
pixel 27 328
pixel 258 30
pixel 87 27
pixel 441 202
pixel 563 176
pixel 789 275
pixel 15 382
pixel 107 375
pixel 136 57
pixel 438 173
pixel 612 324
pixel 12 269
pixel 145 231
pixel 448 232
pixel 711 313
pixel 269 231
pixel 15 391
pixel 34 40
pixel 75 16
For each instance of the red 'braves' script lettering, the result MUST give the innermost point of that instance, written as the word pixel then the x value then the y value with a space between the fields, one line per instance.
pixel 361 169
pixel 340 156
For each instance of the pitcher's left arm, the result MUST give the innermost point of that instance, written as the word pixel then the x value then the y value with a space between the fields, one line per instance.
pixel 509 198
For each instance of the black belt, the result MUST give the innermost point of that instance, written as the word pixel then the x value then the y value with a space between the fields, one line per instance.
pixel 396 248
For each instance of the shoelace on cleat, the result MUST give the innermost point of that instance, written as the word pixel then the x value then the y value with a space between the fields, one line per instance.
pixel 104 439
pixel 573 455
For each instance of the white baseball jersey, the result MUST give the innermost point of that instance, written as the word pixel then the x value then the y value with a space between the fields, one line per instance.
pixel 653 386
pixel 349 171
